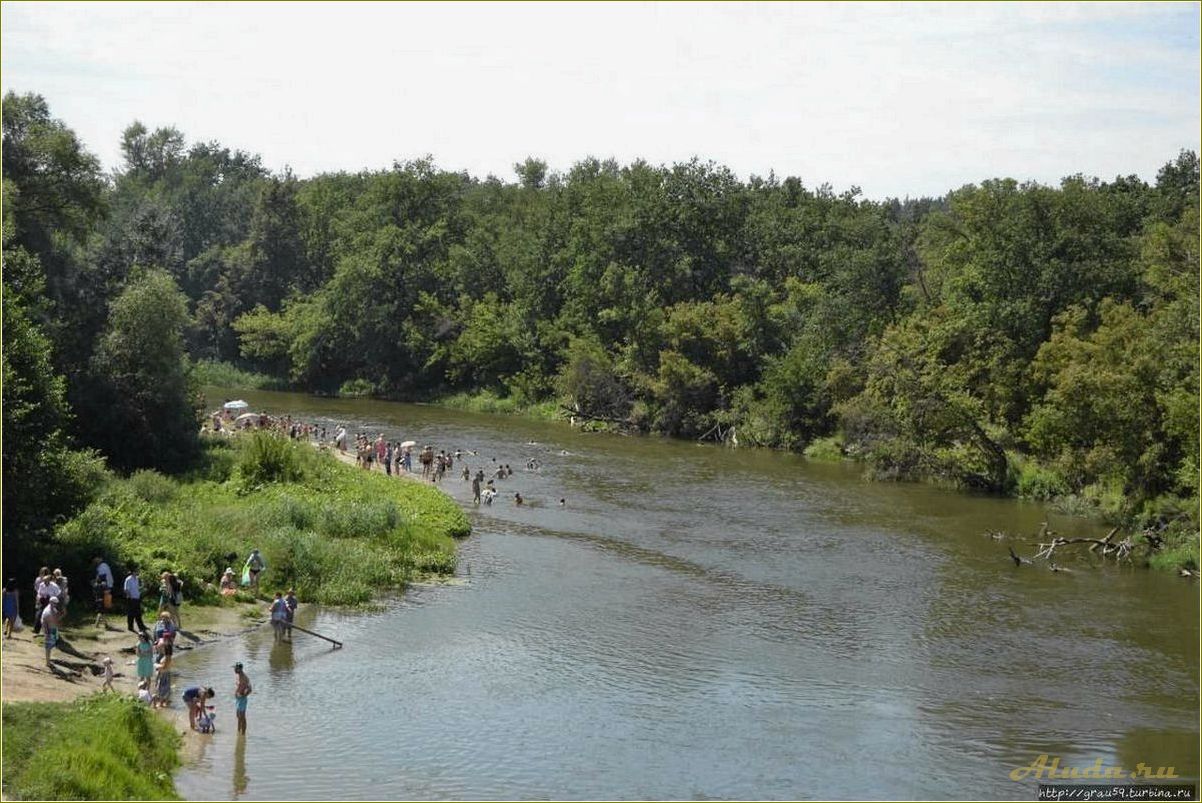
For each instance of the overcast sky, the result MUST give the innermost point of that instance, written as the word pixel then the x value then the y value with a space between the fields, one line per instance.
pixel 899 99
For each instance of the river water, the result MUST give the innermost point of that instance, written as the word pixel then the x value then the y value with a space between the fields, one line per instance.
pixel 697 622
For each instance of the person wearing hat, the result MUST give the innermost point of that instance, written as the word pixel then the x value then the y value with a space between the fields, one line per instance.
pixel 242 690
pixel 229 585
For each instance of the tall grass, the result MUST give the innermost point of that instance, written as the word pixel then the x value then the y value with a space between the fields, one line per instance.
pixel 486 401
pixel 337 534
pixel 103 747
pixel 224 375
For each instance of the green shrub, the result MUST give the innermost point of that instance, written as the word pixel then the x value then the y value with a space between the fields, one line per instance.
pixel 269 457
pixel 825 449
pixel 1033 481
pixel 151 486
pixel 356 388
pixel 224 375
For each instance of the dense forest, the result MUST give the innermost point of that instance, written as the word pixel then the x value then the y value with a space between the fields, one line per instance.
pixel 1011 337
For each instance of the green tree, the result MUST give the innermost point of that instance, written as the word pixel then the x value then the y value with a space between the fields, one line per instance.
pixel 44 479
pixel 143 413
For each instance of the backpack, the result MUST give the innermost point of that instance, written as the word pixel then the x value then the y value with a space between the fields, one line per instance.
pixel 177 594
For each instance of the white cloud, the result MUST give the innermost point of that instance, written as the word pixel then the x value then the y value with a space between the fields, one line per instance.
pixel 897 98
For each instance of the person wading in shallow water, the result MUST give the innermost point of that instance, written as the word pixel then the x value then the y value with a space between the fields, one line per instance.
pixel 242 690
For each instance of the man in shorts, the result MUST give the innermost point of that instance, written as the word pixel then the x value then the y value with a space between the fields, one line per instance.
pixel 242 690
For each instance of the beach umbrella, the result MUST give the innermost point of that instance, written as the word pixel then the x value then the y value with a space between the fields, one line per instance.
pixel 408 444
pixel 237 404
pixel 246 417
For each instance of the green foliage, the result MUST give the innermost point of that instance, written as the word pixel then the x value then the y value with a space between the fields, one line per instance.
pixel 338 534
pixel 1034 481
pixel 356 388
pixel 141 412
pixel 830 448
pixel 267 457
pixel 225 375
pixel 44 478
pixel 1008 336
pixel 103 747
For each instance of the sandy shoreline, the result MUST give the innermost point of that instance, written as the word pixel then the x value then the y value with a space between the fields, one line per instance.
pixel 77 665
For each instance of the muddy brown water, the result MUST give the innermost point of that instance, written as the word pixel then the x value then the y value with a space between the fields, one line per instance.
pixel 697 622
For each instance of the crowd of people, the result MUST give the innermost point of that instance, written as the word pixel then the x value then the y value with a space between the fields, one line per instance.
pixel 154 650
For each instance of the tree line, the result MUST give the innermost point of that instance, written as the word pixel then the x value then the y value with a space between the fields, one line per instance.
pixel 1014 337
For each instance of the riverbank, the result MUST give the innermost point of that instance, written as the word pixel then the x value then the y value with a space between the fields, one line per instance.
pixel 65 738
pixel 337 535
pixel 102 747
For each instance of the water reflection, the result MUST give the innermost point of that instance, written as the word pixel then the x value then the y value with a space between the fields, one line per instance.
pixel 712 624
pixel 241 779
pixel 280 660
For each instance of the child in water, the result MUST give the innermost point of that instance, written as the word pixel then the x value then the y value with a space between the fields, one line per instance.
pixel 162 683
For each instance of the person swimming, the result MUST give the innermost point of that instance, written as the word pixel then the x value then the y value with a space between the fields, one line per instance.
pixel 517 499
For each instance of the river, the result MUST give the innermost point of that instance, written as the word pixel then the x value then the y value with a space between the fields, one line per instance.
pixel 698 622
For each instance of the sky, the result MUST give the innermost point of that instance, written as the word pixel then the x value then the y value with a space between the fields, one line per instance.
pixel 899 99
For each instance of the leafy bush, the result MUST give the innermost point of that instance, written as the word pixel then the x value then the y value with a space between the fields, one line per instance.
pixel 356 388
pixel 1033 481
pixel 151 486
pixel 825 449
pixel 270 458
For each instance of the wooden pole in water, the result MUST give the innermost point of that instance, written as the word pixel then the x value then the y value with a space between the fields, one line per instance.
pixel 337 644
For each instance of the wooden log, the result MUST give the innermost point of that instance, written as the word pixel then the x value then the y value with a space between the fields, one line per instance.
pixel 337 644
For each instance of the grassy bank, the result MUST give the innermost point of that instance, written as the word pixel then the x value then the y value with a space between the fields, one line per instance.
pixel 485 401
pixel 338 535
pixel 102 747
pixel 222 374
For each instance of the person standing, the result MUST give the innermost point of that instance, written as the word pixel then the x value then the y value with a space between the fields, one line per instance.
pixel 12 606
pixel 46 591
pixel 145 653
pixel 242 690
pixel 476 488
pixel 50 620
pixel 255 565
pixel 170 596
pixel 292 604
pixel 103 572
pixel 133 600
pixel 279 615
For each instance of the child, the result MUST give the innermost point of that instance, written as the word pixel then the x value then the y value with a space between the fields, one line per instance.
pixel 162 683
pixel 145 657
pixel 108 674
pixel 204 720
pixel 144 695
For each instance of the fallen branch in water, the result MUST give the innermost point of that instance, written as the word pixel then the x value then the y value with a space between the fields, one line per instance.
pixel 1107 547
